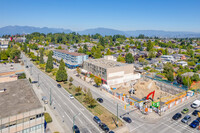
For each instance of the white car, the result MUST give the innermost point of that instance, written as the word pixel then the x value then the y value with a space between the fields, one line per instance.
pixel 71 96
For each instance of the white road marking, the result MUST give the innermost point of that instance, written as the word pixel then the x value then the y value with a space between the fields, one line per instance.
pixel 171 127
pixel 136 128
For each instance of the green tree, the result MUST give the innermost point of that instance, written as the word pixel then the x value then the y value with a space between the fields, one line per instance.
pixel 4 55
pixel 78 70
pixel 71 79
pixel 61 74
pixel 195 77
pixel 15 53
pixel 85 49
pixel 129 58
pixel 97 80
pixel 49 64
pixel 78 90
pixel 25 48
pixel 41 56
pixel 120 59
pixel 97 53
pixel 108 52
pixel 170 76
pixel 166 51
pixel 149 45
pixel 152 53
pixel 80 50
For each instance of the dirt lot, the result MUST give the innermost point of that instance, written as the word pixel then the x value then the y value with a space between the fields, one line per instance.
pixel 143 88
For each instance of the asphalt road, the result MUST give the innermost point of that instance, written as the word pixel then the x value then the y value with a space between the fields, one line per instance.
pixel 66 107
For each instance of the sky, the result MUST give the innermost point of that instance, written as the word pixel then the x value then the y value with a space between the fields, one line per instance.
pixel 168 15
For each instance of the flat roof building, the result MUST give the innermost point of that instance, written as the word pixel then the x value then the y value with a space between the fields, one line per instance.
pixel 111 72
pixel 71 59
pixel 20 109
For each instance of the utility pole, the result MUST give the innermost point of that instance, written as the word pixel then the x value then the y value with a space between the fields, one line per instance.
pixel 74 120
pixel 117 114
pixel 160 104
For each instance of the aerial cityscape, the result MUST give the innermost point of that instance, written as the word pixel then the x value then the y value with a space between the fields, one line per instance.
pixel 109 66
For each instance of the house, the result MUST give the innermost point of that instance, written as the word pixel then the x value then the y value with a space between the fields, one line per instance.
pixel 182 63
pixel 179 56
pixel 197 47
pixel 169 58
pixel 194 45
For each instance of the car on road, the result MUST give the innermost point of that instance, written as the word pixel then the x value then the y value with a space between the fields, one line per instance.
pixel 26 66
pixel 186 119
pixel 100 100
pixel 195 112
pixel 44 98
pixel 71 96
pixel 111 132
pixel 75 129
pixel 194 124
pixel 185 110
pixel 104 127
pixel 58 85
pixel 96 119
pixel 34 82
pixel 127 119
pixel 195 104
pixel 177 116
pixel 198 119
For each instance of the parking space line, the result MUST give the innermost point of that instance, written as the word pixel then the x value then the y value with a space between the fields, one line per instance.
pixel 171 127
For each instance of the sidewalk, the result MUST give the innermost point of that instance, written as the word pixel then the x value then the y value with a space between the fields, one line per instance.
pixel 56 125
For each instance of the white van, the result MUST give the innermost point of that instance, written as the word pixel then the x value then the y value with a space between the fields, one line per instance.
pixel 195 104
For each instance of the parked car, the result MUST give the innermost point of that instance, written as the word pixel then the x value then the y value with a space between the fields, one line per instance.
pixel 127 119
pixel 100 100
pixel 185 110
pixel 198 119
pixel 177 116
pixel 195 104
pixel 111 132
pixel 71 96
pixel 34 82
pixel 44 98
pixel 195 112
pixel 194 124
pixel 104 127
pixel 97 120
pixel 58 85
pixel 186 119
pixel 26 66
pixel 75 129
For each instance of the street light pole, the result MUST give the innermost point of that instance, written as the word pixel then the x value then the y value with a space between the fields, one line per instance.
pixel 38 80
pixel 117 114
pixel 74 120
pixel 50 98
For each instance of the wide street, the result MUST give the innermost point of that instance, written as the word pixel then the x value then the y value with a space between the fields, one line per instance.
pixel 68 108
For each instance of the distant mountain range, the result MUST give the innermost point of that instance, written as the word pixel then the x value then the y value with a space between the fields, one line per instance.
pixel 12 30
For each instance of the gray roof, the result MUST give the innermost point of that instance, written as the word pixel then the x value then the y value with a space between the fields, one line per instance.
pixel 19 97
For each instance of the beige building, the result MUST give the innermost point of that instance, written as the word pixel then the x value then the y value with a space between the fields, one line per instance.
pixel 20 109
pixel 111 72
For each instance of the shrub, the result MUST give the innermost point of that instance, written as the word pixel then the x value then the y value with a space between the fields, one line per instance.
pixel 47 117
pixel 22 76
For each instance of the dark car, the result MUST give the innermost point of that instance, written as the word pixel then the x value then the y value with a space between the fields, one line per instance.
pixel 26 66
pixel 186 119
pixel 111 132
pixel 59 86
pixel 97 120
pixel 194 124
pixel 100 100
pixel 195 112
pixel 104 127
pixel 34 82
pixel 198 119
pixel 75 129
pixel 177 116
pixel 127 119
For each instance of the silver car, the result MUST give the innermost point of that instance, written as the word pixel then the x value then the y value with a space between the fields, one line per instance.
pixel 186 119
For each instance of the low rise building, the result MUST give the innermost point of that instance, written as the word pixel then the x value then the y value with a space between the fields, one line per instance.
pixel 20 109
pixel 71 59
pixel 111 72
pixel 182 63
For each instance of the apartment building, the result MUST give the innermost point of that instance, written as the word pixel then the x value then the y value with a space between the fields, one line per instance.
pixel 71 59
pixel 20 109
pixel 111 72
